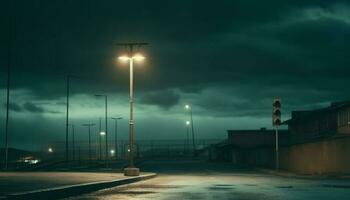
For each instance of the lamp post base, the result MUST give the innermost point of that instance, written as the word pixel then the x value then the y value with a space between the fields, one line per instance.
pixel 132 171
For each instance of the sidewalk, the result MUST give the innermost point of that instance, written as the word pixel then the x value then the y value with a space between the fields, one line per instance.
pixel 288 174
pixel 14 184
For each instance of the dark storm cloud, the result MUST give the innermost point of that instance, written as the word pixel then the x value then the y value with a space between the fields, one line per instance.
pixel 164 99
pixel 14 107
pixel 29 106
pixel 194 45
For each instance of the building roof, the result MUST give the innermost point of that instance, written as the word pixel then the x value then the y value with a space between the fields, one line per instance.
pixel 335 106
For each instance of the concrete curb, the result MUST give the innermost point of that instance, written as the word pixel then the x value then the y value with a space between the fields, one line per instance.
pixel 71 190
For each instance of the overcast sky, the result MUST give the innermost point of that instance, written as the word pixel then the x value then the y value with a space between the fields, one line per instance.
pixel 228 59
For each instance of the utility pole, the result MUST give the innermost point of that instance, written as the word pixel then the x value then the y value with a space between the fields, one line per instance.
pixel 9 59
pixel 89 125
pixel 131 170
pixel 73 141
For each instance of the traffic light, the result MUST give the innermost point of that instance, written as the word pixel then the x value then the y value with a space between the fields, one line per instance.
pixel 276 112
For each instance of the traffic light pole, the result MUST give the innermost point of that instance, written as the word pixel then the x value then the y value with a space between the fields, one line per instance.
pixel 277 152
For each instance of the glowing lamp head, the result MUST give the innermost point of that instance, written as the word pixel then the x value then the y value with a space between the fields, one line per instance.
pixel 102 133
pixel 50 150
pixel 138 57
pixel 188 123
pixel 187 107
pixel 112 151
pixel 123 58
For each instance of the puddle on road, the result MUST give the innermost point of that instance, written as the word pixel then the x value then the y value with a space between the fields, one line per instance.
pixel 285 186
pixel 136 192
pixel 335 186
pixel 159 186
pixel 251 184
pixel 221 187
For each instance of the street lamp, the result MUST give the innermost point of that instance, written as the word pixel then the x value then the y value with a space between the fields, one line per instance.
pixel 189 108
pixel 131 170
pixel 73 141
pixel 89 125
pixel 101 134
pixel 69 77
pixel 50 150
pixel 112 152
pixel 188 123
pixel 116 135
pixel 106 126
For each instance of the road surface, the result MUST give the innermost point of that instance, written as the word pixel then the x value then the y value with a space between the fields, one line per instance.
pixel 221 181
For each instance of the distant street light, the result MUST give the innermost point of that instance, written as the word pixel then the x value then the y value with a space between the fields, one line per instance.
pixel 106 121
pixel 189 108
pixel 67 111
pixel 50 150
pixel 89 125
pixel 73 141
pixel 101 134
pixel 100 139
pixel 188 123
pixel 112 152
pixel 116 135
pixel 131 170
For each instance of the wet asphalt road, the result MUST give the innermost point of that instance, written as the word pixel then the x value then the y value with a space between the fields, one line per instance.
pixel 220 181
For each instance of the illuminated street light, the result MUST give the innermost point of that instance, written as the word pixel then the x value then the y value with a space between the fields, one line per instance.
pixel 102 133
pixel 188 123
pixel 189 108
pixel 50 150
pixel 131 170
pixel 112 152
pixel 106 125
pixel 116 135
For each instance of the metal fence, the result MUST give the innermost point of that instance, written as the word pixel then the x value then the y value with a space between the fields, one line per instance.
pixel 143 148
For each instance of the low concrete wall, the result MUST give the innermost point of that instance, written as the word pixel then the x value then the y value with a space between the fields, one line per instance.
pixel 327 156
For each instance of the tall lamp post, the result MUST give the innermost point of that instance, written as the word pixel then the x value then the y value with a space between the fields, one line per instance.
pixel 100 139
pixel 73 141
pixel 116 135
pixel 131 170
pixel 188 123
pixel 69 77
pixel 102 133
pixel 89 125
pixel 188 107
pixel 106 125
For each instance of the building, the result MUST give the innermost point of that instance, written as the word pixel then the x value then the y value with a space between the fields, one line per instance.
pixel 326 122
pixel 249 147
pixel 316 142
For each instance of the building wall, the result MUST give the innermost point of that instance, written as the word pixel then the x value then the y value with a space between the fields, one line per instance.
pixel 327 156
pixel 343 121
